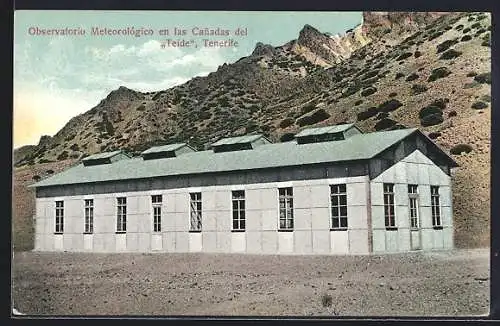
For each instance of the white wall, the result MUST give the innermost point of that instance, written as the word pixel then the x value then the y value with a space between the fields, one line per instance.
pixel 416 168
pixel 311 233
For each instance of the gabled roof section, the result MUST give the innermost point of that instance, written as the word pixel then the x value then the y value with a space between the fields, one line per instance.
pixel 324 130
pixel 164 148
pixel 239 143
pixel 170 150
pixel 104 158
pixel 272 155
pixel 100 156
pixel 329 133
pixel 238 140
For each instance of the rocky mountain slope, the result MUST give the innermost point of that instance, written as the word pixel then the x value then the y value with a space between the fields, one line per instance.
pixel 426 70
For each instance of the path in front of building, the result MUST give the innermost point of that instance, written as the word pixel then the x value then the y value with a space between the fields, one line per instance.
pixel 439 283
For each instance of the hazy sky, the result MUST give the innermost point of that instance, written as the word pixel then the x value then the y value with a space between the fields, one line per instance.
pixel 59 76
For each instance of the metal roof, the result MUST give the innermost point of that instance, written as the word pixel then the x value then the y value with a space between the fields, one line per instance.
pixel 101 156
pixel 237 140
pixel 164 148
pixel 324 130
pixel 356 147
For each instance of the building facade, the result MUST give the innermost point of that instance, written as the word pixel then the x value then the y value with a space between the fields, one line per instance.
pixel 333 190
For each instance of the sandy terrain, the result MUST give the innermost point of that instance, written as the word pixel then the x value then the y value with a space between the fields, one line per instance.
pixel 438 283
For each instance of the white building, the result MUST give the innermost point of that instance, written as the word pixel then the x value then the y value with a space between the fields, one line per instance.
pixel 332 190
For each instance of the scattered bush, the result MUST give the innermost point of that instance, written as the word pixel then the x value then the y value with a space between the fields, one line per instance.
pixel 432 119
pixel 368 113
pixel 486 40
pixel 393 94
pixel 429 110
pixel 74 147
pixel 472 84
pixel 479 105
pixel 404 56
pixel 466 30
pixel 452 113
pixel 286 123
pixel 389 105
pixel 399 75
pixel 438 73
pixel 476 25
pixel 459 27
pixel 418 89
pixel 412 77
pixel 486 98
pixel 417 54
pixel 483 78
pixel 287 137
pixel 434 135
pixel 49 171
pixel 204 115
pixel 326 300
pixel 385 124
pixel 450 54
pixel 141 108
pixel 440 103
pixel 370 74
pixel 62 156
pixel 316 117
pixel 307 108
pixel 461 148
pixel 368 91
pixel 435 35
pixel 358 102
pixel 36 178
pixel 445 45
pixel 472 74
pixel 351 90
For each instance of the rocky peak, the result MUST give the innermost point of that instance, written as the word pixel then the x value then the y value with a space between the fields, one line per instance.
pixel 263 49
pixel 44 140
pixel 123 93
pixel 379 23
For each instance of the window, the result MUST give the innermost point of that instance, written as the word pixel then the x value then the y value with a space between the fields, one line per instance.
pixel 238 210
pixel 121 220
pixel 156 200
pixel 286 208
pixel 338 198
pixel 390 219
pixel 89 215
pixel 436 214
pixel 413 197
pixel 195 211
pixel 59 216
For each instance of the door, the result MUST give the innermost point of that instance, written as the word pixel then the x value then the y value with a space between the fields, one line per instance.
pixel 415 230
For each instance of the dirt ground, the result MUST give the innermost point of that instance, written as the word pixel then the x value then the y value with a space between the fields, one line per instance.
pixel 452 283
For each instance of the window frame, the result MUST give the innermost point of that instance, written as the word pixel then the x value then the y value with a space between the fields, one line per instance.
pixel 88 216
pixel 436 208
pixel 413 198
pixel 121 215
pixel 156 211
pixel 389 205
pixel 341 192
pixel 287 209
pixel 59 217
pixel 196 212
pixel 238 215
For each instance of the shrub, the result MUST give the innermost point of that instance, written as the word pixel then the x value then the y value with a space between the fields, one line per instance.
pixel 466 30
pixel 440 103
pixel 385 124
pixel 411 77
pixel 358 102
pixel 74 147
pixel 461 148
pixel 486 40
pixel 399 75
pixel 316 117
pixel 452 113
pixel 432 119
pixel 438 73
pixel 472 85
pixel 445 45
pixel 479 105
pixel 417 54
pixel 429 110
pixel 434 135
pixel 36 178
pixel 368 113
pixel 62 156
pixel 393 94
pixel 389 105
pixel 435 35
pixel 287 137
pixel 368 91
pixel 472 74
pixel 404 56
pixel 459 27
pixel 450 54
pixel 486 98
pixel 141 108
pixel 307 108
pixel 287 122
pixel 476 25
pixel 351 90
pixel 204 115
pixel 49 171
pixel 483 78
pixel 326 300
pixel 466 38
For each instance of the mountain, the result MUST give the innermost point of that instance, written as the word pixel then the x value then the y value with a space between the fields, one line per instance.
pixel 395 70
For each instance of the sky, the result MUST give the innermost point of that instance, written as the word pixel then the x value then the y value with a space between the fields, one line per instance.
pixel 57 77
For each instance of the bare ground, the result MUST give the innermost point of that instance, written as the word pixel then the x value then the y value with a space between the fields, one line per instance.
pixel 450 283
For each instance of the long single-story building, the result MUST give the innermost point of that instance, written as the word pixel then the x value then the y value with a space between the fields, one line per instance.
pixel 331 190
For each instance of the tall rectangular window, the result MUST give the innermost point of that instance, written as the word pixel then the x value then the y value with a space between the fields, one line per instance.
pixel 59 216
pixel 121 218
pixel 390 218
pixel 412 198
pixel 338 198
pixel 156 201
pixel 195 211
pixel 286 208
pixel 436 213
pixel 89 215
pixel 238 199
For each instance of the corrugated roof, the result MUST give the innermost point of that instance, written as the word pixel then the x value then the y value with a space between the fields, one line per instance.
pixel 324 130
pixel 100 156
pixel 356 147
pixel 164 148
pixel 237 140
